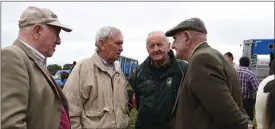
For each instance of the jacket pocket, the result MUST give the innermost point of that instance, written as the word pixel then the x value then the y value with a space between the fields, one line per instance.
pixel 123 117
pixel 95 117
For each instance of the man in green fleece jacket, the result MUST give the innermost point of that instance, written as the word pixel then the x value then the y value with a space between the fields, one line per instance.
pixel 156 82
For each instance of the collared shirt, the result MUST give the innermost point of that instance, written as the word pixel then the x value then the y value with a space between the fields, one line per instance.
pixel 249 82
pixel 198 46
pixel 106 63
pixel 109 67
pixel 41 58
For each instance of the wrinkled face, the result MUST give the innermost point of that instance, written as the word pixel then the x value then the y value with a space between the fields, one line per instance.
pixel 47 39
pixel 112 47
pixel 228 58
pixel 181 45
pixel 157 47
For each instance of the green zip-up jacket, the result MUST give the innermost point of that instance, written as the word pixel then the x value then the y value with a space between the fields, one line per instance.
pixel 156 90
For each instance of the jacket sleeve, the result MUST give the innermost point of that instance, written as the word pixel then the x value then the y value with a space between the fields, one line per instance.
pixel 73 92
pixel 209 84
pixel 14 91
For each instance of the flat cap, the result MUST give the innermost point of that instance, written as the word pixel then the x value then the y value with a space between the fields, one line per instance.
pixel 34 15
pixel 194 24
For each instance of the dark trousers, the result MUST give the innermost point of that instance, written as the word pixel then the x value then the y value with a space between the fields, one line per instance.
pixel 249 105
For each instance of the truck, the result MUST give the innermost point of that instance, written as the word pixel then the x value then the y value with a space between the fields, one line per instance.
pixel 127 65
pixel 258 51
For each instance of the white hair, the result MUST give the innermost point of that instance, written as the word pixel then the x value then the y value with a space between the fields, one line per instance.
pixel 106 32
pixel 157 33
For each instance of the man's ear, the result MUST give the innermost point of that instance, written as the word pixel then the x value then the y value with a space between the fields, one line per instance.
pixel 37 30
pixel 101 44
pixel 188 37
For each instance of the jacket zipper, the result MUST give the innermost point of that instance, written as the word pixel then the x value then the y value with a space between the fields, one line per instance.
pixel 113 92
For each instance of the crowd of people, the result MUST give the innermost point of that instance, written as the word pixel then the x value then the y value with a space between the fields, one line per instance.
pixel 195 88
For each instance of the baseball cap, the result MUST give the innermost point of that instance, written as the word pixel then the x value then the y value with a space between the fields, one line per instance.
pixel 34 15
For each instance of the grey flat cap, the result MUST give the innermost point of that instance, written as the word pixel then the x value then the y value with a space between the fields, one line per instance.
pixel 34 15
pixel 194 24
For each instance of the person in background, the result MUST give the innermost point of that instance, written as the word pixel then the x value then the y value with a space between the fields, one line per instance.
pixel 96 88
pixel 230 58
pixel 210 95
pixel 30 97
pixel 272 57
pixel 74 63
pixel 64 77
pixel 265 101
pixel 131 94
pixel 249 84
pixel 156 82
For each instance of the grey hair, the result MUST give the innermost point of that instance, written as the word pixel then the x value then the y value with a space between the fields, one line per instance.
pixel 106 32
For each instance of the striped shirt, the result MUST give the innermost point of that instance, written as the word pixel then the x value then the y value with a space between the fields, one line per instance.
pixel 249 82
pixel 41 58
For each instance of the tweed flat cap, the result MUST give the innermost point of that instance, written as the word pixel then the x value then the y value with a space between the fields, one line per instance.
pixel 194 24
pixel 34 15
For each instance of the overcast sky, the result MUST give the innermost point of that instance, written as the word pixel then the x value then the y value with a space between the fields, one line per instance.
pixel 228 24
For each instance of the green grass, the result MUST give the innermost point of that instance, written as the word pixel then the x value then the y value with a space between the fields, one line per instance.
pixel 133 117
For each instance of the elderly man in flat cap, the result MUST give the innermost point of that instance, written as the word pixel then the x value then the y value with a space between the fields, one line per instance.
pixel 30 97
pixel 210 96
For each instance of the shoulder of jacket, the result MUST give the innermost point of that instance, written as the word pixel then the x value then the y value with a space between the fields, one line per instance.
pixel 13 52
pixel 84 62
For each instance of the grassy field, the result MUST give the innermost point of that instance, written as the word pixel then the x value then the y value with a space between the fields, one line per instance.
pixel 133 117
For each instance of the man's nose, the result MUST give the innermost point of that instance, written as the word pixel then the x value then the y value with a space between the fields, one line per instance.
pixel 173 46
pixel 120 48
pixel 156 48
pixel 58 40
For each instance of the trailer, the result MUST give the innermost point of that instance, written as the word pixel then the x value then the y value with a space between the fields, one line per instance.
pixel 258 51
pixel 127 65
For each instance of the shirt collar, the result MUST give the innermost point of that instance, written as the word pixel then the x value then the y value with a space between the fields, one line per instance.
pixel 41 58
pixel 105 62
pixel 33 49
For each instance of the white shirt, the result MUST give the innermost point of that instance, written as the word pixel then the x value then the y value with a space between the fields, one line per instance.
pixel 261 102
pixel 40 57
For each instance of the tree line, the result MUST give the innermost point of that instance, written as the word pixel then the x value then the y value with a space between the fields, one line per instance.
pixel 53 68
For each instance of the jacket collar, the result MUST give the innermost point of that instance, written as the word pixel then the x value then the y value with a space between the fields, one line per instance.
pixel 44 71
pixel 200 46
pixel 26 50
pixel 99 63
pixel 146 64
